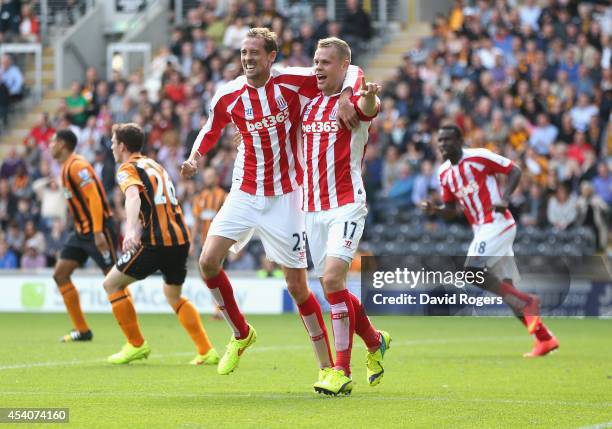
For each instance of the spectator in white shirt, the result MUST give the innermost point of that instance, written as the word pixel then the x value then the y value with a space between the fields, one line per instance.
pixel 543 135
pixel 235 33
pixel 90 132
pixel 582 112
pixel 11 76
pixel 530 13
pixel 562 206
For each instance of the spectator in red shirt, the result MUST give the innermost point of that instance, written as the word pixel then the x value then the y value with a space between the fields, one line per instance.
pixel 579 147
pixel 42 132
pixel 175 88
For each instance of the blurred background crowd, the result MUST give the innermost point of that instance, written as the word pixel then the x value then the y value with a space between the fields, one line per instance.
pixel 530 80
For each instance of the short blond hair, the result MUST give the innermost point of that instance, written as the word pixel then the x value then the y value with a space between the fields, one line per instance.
pixel 269 38
pixel 343 49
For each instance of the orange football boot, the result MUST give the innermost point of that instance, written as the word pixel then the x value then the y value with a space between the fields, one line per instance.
pixel 542 348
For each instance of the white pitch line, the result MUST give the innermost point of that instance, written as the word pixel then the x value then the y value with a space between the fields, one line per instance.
pixel 367 397
pixel 265 349
pixel 598 426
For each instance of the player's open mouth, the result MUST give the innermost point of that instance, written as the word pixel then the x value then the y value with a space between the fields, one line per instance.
pixel 321 78
pixel 249 67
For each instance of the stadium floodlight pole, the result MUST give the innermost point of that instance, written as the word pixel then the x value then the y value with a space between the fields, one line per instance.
pixel 44 20
pixel 331 9
pixel 382 11
pixel 178 12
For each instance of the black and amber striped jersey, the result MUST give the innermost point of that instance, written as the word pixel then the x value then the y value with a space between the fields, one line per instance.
pixel 85 195
pixel 160 213
pixel 206 205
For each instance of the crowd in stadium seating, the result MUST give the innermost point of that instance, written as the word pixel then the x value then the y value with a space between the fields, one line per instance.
pixel 18 24
pixel 170 105
pixel 532 83
pixel 11 86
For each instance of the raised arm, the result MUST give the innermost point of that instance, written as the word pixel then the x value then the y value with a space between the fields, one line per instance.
pixel 368 101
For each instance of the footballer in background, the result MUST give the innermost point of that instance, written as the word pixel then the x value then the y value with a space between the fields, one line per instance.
pixel 94 235
pixel 467 177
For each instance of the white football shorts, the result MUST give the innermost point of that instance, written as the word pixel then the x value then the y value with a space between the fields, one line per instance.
pixel 278 220
pixel 335 232
pixel 492 248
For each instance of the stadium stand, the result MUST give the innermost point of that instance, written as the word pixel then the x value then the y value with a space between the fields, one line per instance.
pixel 532 83
pixel 529 82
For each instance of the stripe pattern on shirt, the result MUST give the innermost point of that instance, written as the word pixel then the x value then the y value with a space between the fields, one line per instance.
pixel 333 156
pixel 472 183
pixel 269 159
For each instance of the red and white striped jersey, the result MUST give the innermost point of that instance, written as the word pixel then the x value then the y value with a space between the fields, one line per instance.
pixel 473 184
pixel 269 157
pixel 333 156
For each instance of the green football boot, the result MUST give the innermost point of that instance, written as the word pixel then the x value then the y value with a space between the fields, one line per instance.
pixel 234 350
pixel 130 353
pixel 374 362
pixel 211 357
pixel 334 383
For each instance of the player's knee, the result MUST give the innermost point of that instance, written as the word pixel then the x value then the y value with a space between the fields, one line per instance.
pixel 109 286
pixel 61 276
pixel 209 265
pixel 332 283
pixel 298 290
pixel 172 301
pixel 173 295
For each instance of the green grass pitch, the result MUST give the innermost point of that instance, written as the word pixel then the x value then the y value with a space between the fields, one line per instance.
pixel 440 373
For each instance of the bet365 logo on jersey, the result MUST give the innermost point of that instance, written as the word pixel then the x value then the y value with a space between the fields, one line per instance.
pixel 320 127
pixel 268 121
pixel 470 188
